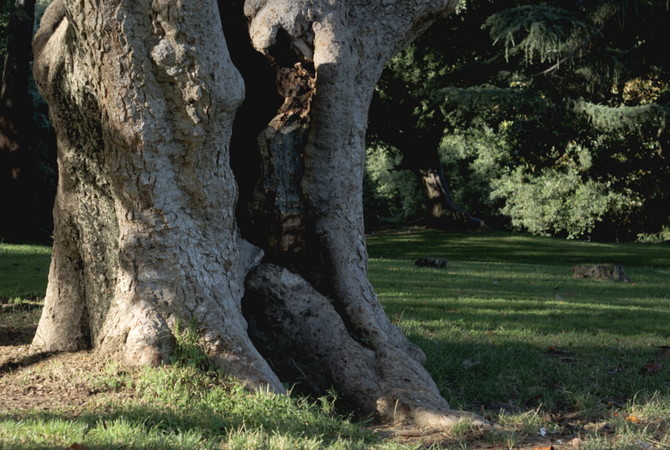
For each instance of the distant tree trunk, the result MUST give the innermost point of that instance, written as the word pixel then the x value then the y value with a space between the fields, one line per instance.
pixel 395 123
pixel 422 159
pixel 143 96
pixel 16 116
pixel 443 212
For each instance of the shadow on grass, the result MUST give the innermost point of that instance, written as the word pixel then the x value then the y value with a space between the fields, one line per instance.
pixel 140 427
pixel 518 375
pixel 513 247
pixel 523 297
pixel 26 361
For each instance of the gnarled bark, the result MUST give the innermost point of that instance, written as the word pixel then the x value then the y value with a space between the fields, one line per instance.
pixel 318 352
pixel 143 94
pixel 348 44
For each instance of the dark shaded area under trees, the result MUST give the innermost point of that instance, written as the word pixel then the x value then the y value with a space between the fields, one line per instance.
pixel 546 117
pixel 488 110
pixel 27 149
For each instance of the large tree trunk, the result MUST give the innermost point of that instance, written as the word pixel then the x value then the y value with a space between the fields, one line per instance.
pixel 142 94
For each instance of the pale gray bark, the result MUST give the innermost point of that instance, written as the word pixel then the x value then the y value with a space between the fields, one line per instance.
pixel 348 44
pixel 142 94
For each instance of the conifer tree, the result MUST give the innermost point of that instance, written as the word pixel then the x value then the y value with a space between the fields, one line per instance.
pixel 575 92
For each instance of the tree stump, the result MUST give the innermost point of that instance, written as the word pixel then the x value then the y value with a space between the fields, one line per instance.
pixel 612 272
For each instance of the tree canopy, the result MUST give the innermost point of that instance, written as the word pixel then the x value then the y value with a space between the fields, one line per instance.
pixel 549 117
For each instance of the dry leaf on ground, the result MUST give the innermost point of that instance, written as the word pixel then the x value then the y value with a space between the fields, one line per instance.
pixel 652 367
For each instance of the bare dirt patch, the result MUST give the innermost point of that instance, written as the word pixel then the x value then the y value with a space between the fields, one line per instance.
pixel 64 383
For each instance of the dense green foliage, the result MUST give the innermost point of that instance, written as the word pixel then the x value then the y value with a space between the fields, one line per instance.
pixel 391 196
pixel 551 117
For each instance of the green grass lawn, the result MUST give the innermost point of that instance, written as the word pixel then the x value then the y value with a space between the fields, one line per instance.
pixel 508 334
pixel 23 270
pixel 506 327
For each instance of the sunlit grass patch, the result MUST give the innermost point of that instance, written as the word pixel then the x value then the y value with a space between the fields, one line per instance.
pixel 182 407
pixel 511 335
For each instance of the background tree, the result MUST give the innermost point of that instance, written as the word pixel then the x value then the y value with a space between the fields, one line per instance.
pixel 16 19
pixel 142 95
pixel 560 133
pixel 27 160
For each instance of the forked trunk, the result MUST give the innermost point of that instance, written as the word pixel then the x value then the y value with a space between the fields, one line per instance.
pixel 146 234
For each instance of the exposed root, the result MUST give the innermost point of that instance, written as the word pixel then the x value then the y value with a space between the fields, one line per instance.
pixel 414 414
pixel 307 342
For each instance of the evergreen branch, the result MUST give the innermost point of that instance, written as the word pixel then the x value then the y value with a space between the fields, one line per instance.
pixel 570 55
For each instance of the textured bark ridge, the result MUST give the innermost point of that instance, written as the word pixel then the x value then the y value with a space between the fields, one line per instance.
pixel 143 94
pixel 348 44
